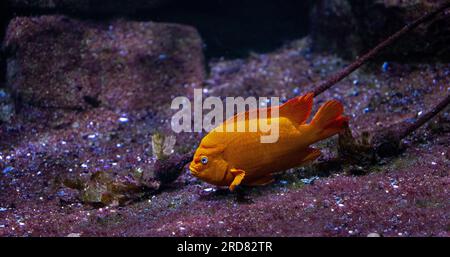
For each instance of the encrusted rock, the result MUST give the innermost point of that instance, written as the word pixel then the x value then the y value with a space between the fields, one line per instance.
pixel 55 61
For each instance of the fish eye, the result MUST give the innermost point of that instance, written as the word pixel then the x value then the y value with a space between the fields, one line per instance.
pixel 204 160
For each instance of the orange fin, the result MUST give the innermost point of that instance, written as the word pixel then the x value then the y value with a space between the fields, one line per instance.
pixel 261 181
pixel 238 177
pixel 298 109
pixel 251 113
pixel 328 120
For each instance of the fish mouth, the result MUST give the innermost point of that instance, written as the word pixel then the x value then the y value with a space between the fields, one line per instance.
pixel 193 170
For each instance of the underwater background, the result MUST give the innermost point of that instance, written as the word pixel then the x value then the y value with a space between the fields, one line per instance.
pixel 86 147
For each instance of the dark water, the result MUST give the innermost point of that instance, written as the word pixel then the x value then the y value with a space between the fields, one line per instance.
pixel 234 28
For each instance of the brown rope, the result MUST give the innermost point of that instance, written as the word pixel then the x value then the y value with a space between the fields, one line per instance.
pixel 426 117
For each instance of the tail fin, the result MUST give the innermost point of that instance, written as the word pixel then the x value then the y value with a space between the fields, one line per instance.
pixel 329 120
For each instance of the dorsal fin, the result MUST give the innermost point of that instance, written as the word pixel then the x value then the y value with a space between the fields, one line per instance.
pixel 247 113
pixel 298 109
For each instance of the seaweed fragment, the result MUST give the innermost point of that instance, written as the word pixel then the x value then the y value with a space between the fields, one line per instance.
pixel 162 146
pixel 104 189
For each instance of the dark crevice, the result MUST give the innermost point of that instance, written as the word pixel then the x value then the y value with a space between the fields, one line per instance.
pixel 233 29
pixel 92 101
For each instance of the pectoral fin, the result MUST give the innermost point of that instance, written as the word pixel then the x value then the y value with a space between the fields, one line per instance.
pixel 238 177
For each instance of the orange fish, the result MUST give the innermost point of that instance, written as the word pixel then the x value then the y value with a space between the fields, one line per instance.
pixel 234 158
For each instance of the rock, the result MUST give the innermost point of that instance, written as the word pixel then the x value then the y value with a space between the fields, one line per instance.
pixel 168 170
pixel 58 62
pixel 88 6
pixel 366 23
pixel 67 196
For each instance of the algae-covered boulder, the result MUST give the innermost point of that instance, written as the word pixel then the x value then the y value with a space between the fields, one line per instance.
pixel 352 27
pixel 55 61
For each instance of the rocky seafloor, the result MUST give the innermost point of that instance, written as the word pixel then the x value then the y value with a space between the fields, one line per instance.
pixel 84 97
